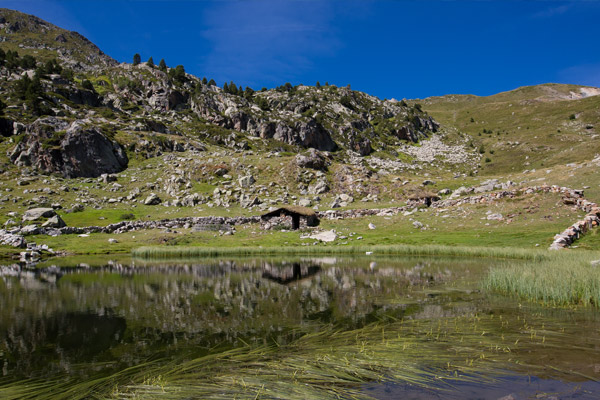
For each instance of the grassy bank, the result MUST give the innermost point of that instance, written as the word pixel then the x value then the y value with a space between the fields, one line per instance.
pixel 565 278
pixel 158 252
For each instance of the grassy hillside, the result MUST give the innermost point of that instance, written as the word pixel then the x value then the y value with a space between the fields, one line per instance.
pixel 527 128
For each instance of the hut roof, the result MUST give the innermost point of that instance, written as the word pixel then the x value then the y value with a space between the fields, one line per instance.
pixel 305 211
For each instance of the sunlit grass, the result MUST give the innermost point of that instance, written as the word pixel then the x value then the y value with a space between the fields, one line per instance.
pixel 158 252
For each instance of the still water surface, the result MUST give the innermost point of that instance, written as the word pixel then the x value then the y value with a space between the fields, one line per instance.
pixel 424 319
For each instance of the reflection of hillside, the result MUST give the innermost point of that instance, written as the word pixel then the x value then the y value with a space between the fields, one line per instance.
pixel 202 305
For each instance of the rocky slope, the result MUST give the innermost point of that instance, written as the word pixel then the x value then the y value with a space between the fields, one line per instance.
pixel 62 75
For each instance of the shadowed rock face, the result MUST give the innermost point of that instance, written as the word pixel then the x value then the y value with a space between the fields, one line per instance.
pixel 76 151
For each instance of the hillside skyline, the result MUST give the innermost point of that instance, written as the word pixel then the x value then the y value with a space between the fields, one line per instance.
pixel 387 49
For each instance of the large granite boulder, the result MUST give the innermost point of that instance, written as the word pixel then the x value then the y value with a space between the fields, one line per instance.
pixel 52 145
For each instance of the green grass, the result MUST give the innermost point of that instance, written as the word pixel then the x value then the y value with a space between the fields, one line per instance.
pixel 158 252
pixel 565 278
pixel 531 116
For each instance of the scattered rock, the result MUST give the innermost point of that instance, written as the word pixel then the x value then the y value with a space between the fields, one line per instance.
pixel 247 181
pixel 319 188
pixel 312 159
pixel 417 225
pixel 30 230
pixel 152 200
pixel 371 225
pixel 305 202
pixel 54 222
pixel 494 216
pixel 37 213
pixel 326 236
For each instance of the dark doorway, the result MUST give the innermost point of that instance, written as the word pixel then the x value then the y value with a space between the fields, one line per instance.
pixel 295 221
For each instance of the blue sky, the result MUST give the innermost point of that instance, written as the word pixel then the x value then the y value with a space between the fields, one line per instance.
pixel 391 49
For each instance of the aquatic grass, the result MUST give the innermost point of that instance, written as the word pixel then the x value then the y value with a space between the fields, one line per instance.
pixel 169 252
pixel 568 278
pixel 330 363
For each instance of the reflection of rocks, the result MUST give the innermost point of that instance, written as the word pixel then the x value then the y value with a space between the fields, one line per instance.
pixel 210 303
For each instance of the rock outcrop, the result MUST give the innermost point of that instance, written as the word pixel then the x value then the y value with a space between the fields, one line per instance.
pixel 52 145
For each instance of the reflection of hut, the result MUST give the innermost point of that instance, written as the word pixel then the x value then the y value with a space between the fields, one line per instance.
pixel 422 198
pixel 290 217
pixel 287 274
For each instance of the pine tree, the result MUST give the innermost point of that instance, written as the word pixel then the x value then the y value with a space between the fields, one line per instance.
pixel 226 87
pixel 248 93
pixel 204 81
pixel 212 83
pixel 318 85
pixel 150 62
pixel 2 107
pixel 137 59
pixel 162 65
pixel 233 88
pixel 177 73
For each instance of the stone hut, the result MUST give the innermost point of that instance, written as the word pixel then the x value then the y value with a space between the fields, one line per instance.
pixel 289 217
pixel 422 198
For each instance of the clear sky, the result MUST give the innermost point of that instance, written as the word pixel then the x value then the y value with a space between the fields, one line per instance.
pixel 391 49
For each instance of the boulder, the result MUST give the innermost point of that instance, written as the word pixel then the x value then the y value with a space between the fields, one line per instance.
pixel 152 200
pixel 246 181
pixel 75 150
pixel 11 239
pixel 37 213
pixel 326 236
pixel 30 230
pixel 304 202
pixel 319 187
pixel 305 134
pixel 54 222
pixel 312 159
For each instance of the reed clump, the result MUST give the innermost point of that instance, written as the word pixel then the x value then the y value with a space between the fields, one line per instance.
pixel 566 278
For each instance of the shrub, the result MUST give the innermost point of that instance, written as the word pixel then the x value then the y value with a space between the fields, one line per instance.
pixel 127 216
pixel 86 84
pixel 572 117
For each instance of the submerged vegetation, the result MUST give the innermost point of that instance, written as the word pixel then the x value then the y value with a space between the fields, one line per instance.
pixel 434 354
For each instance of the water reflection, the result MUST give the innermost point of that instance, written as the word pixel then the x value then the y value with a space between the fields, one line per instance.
pixel 54 317
pixel 87 320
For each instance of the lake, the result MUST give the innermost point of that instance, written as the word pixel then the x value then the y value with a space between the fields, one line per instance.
pixel 330 327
